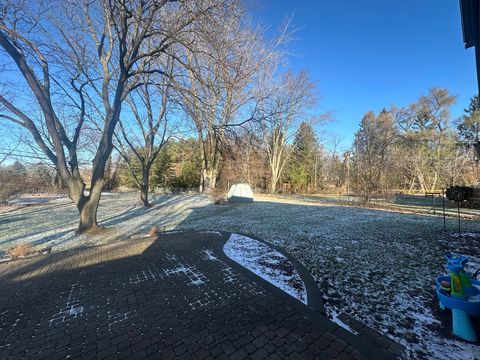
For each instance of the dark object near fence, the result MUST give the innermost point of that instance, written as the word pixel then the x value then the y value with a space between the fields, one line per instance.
pixel 459 193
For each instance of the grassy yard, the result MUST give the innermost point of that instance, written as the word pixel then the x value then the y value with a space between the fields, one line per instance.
pixel 377 266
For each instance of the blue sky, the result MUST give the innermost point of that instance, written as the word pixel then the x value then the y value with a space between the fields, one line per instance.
pixel 370 54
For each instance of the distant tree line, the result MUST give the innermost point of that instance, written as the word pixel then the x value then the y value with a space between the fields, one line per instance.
pixel 415 149
pixel 18 178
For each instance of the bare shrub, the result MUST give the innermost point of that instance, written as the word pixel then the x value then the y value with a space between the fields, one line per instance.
pixel 20 251
pixel 8 191
pixel 13 180
pixel 155 231
pixel 218 195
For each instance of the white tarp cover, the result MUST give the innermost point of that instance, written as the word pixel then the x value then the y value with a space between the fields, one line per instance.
pixel 240 193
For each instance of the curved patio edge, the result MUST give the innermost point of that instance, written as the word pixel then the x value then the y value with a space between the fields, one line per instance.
pixel 314 295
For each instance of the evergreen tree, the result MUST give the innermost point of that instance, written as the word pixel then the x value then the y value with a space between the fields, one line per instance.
pixel 126 177
pixel 469 127
pixel 298 176
pixel 161 166
pixel 306 145
pixel 176 166
pixel 304 166
pixel 185 168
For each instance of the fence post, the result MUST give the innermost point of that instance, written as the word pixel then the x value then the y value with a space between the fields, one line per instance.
pixel 459 231
pixel 443 205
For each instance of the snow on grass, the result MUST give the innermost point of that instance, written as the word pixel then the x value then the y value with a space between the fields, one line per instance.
pixel 465 234
pixel 35 199
pixel 52 221
pixel 267 263
pixel 375 266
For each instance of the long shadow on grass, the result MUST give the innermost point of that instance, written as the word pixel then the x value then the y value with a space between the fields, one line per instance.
pixel 264 219
pixel 114 217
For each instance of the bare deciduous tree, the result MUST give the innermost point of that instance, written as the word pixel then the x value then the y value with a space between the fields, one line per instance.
pixel 425 133
pixel 141 139
pixel 79 61
pixel 286 108
pixel 223 92
pixel 371 150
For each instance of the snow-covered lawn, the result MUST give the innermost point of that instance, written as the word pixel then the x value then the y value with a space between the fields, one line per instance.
pixel 51 220
pixel 376 266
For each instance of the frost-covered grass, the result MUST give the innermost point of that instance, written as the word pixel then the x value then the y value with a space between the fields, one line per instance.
pixel 51 220
pixel 376 266
pixel 400 203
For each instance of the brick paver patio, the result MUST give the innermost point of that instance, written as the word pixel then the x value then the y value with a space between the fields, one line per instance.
pixel 174 297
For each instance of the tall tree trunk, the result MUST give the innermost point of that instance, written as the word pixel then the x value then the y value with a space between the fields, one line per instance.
pixel 277 160
pixel 144 196
pixel 210 167
pixel 87 205
pixel 58 181
pixel 88 214
pixel 421 181
pixel 273 183
pixel 144 188
pixel 209 180
pixel 276 169
pixel 434 182
pixel 412 185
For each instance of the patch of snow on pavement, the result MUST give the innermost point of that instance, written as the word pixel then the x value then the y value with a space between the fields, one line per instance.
pixel 267 263
pixel 152 273
pixel 210 232
pixel 333 315
pixel 71 309
pixel 209 254
pixel 115 317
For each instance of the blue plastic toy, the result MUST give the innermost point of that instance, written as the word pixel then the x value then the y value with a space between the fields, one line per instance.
pixel 461 294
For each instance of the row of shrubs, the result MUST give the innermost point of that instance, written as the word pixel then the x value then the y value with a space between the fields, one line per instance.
pixel 17 178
